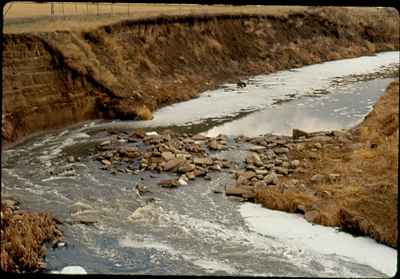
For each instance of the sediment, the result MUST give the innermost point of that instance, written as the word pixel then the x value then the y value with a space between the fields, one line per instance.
pixel 128 69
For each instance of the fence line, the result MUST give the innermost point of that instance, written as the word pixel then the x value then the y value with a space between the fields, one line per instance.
pixel 54 9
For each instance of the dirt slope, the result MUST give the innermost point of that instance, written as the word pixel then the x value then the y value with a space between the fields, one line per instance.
pixel 130 68
pixel 352 182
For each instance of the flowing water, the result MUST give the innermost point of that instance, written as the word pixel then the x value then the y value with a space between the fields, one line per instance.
pixel 192 230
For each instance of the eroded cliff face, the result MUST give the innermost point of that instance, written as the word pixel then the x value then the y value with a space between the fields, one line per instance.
pixel 130 68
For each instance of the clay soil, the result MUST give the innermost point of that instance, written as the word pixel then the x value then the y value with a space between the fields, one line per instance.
pixel 352 182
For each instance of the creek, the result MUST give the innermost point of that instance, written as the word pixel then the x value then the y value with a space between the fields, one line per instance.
pixel 192 230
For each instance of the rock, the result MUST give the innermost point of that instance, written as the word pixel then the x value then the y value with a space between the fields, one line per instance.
pixel 168 183
pixel 207 177
pixel 153 133
pixel 317 178
pixel 215 167
pixel 104 143
pixel 322 138
pixel 190 175
pixel 296 133
pixel 262 172
pixel 254 159
pixel 169 165
pixel 241 180
pixel 333 177
pixel 235 191
pixel 295 163
pixel 318 145
pixel 199 172
pixel 130 152
pixel 186 167
pixel 106 162
pixel 249 174
pixel 214 145
pixel 271 178
pixel 312 216
pixel 182 180
pixel 300 146
pixel 282 170
pixel 167 155
pixel 260 184
pixel 281 150
pixel 71 159
pixel 199 137
pixel 257 148
pixel 270 154
pixel 202 161
pixel 313 155
pixel 285 164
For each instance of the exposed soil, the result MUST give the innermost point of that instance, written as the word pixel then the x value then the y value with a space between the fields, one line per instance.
pixel 130 68
pixel 23 235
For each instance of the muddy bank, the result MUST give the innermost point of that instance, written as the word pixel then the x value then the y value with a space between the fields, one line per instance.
pixel 23 238
pixel 128 69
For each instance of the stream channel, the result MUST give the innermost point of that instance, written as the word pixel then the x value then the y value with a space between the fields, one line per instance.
pixel 191 230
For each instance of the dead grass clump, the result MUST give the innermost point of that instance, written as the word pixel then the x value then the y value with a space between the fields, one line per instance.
pixel 23 235
pixel 143 113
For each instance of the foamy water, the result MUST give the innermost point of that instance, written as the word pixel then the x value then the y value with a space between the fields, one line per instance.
pixel 295 231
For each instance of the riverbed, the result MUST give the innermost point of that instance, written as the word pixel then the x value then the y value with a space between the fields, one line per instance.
pixel 191 230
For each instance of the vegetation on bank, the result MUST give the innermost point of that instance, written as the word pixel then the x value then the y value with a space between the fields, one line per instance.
pixel 23 235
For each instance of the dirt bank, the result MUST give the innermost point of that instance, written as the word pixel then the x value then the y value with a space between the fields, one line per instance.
pixel 128 69
pixel 23 235
pixel 350 182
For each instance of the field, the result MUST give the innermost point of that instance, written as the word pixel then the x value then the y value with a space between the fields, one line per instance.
pixel 34 17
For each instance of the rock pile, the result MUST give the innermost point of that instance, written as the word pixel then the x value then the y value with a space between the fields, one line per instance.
pixel 188 156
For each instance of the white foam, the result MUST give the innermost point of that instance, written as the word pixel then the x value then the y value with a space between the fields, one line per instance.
pixel 72 270
pixel 295 231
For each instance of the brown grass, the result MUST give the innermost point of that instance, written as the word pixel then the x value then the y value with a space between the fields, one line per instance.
pixel 22 237
pixel 34 17
pixel 363 200
pixel 143 113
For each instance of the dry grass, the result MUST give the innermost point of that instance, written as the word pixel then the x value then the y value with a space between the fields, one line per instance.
pixel 143 113
pixel 363 199
pixel 22 237
pixel 34 17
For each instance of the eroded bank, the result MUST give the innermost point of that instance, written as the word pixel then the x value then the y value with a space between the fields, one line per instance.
pixel 128 69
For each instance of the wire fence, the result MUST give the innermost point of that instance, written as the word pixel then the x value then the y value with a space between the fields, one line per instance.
pixel 54 9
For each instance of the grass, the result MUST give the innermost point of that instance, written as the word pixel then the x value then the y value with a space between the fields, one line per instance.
pixel 35 17
pixel 22 237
